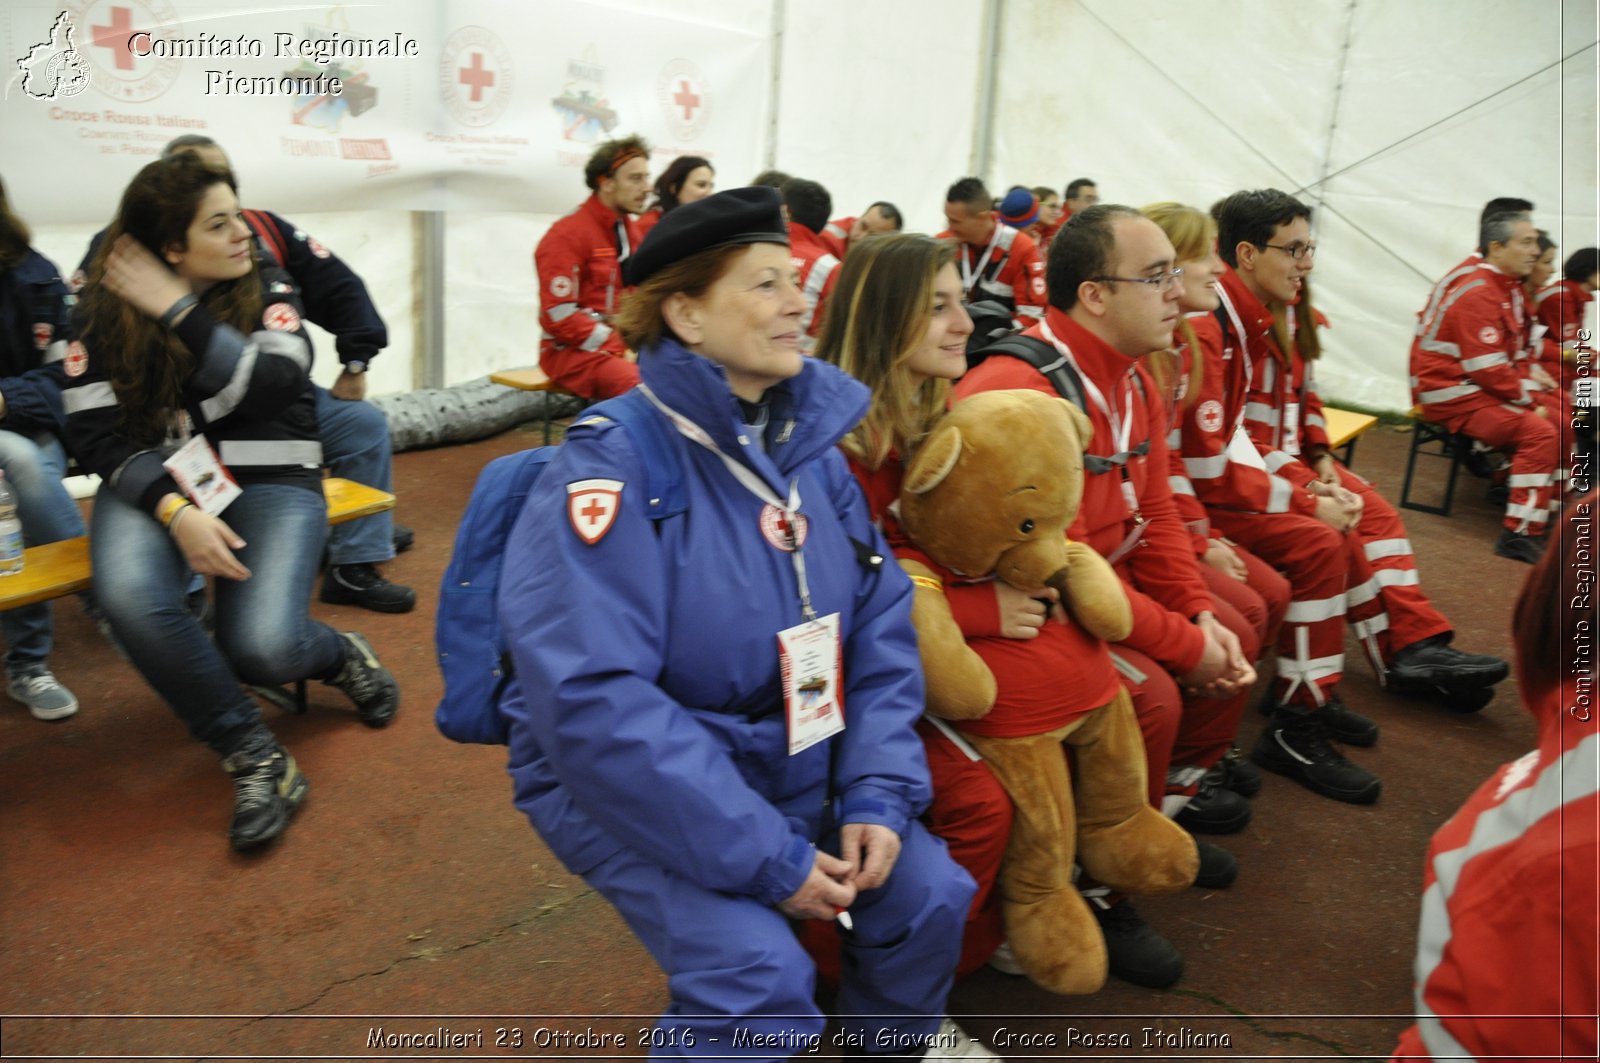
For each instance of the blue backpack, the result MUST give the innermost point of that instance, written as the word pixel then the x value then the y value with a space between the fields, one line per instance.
pixel 473 655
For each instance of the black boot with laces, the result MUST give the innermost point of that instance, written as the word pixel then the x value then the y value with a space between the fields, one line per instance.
pixel 267 788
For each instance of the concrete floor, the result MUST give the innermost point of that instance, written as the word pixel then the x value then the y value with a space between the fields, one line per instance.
pixel 410 896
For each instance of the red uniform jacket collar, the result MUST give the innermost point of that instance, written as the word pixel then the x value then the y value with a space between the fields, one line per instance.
pixel 1100 362
pixel 1252 312
pixel 802 241
pixel 600 212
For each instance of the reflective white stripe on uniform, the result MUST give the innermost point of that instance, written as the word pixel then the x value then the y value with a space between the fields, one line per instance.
pixel 1278 498
pixel 815 281
pixel 1379 548
pixel 1362 593
pixel 1530 514
pixel 288 345
pixel 1308 670
pixel 1428 398
pixel 1528 479
pixel 1030 311
pixel 1206 468
pixel 1365 629
pixel 303 452
pixel 1484 361
pixel 1397 577
pixel 1261 412
pixel 1180 485
pixel 1316 419
pixel 1311 610
pixel 226 399
pixel 597 338
pixel 996 288
pixel 1277 459
pixel 562 311
pixel 94 396
pixel 1572 778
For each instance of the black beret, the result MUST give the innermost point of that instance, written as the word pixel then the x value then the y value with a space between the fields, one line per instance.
pixel 738 216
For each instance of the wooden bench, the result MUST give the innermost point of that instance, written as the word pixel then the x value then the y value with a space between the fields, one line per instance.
pixel 1452 447
pixel 533 379
pixel 58 569
pixel 55 570
pixel 1344 427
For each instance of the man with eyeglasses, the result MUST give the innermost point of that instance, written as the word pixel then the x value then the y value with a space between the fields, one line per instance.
pixel 1258 455
pixel 1113 299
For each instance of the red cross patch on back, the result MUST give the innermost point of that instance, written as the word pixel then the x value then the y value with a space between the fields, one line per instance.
pixel 592 507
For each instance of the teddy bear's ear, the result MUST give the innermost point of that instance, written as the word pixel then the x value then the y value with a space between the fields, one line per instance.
pixel 1080 424
pixel 934 461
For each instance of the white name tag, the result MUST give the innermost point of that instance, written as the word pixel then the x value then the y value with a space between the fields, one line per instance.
pixel 813 698
pixel 203 477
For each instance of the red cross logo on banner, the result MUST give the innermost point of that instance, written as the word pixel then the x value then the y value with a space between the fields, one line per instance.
pixel 592 507
pixel 477 77
pixel 280 317
pixel 116 36
pixel 685 97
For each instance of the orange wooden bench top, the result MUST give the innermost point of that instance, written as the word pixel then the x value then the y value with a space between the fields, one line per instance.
pixel 57 569
pixel 1345 425
pixel 530 379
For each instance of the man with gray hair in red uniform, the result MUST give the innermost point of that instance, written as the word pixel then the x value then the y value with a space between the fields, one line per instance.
pixel 579 265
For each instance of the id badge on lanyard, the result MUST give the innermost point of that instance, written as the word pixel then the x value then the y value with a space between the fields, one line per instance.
pixel 202 476
pixel 1291 428
pixel 810 663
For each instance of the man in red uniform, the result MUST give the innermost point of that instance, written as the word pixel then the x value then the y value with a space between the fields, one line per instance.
pixel 997 263
pixel 1506 948
pixel 839 233
pixel 807 203
pixel 1113 300
pixel 1463 378
pixel 579 266
pixel 1081 194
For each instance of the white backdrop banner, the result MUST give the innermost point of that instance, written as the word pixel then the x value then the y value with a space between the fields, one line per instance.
pixel 409 104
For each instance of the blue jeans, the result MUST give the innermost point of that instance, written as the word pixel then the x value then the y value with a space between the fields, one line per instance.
pixel 355 445
pixel 34 466
pixel 264 632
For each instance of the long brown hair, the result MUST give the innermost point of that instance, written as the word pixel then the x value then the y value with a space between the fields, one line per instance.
pixel 145 362
pixel 1193 234
pixel 878 315
pixel 1305 342
pixel 14 234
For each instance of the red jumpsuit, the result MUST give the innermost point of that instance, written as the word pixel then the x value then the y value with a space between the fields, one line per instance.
pixel 819 271
pixel 1509 934
pixel 1006 270
pixel 1158 570
pixel 835 236
pixel 1262 597
pixel 647 221
pixel 1384 602
pixel 1462 377
pixel 580 285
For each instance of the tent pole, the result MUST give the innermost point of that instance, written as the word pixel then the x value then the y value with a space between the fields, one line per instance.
pixel 988 81
pixel 779 15
pixel 1338 95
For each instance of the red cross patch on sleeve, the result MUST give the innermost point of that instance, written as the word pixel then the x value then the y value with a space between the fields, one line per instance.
pixel 592 507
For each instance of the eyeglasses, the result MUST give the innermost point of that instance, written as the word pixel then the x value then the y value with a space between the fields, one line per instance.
pixel 1161 282
pixel 1297 252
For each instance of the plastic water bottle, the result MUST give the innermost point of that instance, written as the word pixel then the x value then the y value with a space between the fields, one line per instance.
pixel 10 531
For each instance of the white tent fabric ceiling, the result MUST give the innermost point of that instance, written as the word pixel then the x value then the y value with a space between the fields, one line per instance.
pixel 1396 121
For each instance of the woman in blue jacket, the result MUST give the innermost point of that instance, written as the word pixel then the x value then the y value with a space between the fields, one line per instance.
pixel 674 736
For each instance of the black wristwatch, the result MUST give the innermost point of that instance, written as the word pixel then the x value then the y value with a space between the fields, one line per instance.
pixel 355 367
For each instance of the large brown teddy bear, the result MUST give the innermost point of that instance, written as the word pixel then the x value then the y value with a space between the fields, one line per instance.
pixel 992 491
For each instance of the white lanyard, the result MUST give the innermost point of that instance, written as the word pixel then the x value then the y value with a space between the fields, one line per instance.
pixel 971 275
pixel 755 485
pixel 1121 431
pixel 1244 350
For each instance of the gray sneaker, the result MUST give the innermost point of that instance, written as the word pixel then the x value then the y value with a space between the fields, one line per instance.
pixel 44 695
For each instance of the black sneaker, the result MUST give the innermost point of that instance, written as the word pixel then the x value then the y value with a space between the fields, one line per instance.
pixel 1518 547
pixel 404 538
pixel 1239 775
pixel 1218 867
pixel 365 586
pixel 1137 953
pixel 1296 744
pixel 1437 671
pixel 1347 725
pixel 366 682
pixel 267 788
pixel 1214 809
pixel 1498 494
